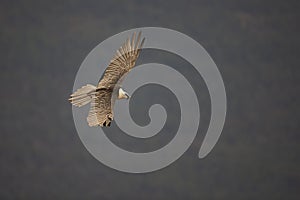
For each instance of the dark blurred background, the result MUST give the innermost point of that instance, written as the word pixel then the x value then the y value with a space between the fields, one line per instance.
pixel 254 43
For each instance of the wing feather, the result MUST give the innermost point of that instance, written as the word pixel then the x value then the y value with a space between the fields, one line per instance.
pixel 123 61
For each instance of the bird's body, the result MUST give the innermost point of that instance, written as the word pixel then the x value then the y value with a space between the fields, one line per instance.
pixel 103 96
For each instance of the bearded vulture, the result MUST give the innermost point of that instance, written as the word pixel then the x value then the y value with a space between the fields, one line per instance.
pixel 102 97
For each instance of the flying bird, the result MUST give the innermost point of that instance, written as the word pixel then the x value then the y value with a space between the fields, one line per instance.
pixel 103 96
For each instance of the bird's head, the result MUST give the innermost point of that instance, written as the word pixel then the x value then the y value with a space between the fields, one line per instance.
pixel 123 94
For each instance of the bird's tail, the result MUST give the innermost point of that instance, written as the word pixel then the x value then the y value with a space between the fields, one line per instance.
pixel 83 95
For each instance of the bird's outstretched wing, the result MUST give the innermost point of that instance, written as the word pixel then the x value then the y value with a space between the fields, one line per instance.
pixel 101 111
pixel 123 61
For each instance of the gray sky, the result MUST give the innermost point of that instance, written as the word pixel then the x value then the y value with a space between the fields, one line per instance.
pixel 255 44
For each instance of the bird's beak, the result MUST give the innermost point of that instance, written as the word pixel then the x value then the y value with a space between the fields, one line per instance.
pixel 127 95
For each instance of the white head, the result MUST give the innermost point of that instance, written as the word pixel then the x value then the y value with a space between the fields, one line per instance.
pixel 123 94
